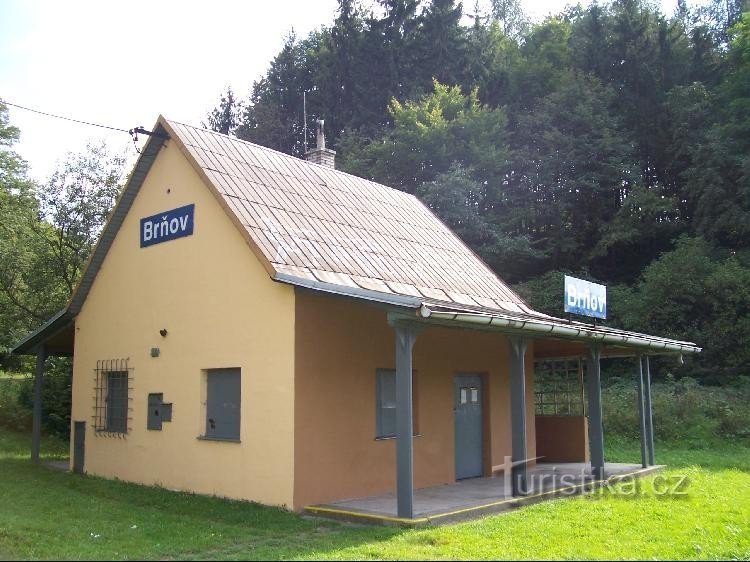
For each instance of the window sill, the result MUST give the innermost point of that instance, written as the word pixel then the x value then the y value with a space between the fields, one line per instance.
pixel 393 437
pixel 222 439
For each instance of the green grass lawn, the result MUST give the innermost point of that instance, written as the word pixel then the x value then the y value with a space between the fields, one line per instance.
pixel 50 514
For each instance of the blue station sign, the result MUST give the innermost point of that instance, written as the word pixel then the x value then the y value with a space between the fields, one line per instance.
pixel 167 226
pixel 585 298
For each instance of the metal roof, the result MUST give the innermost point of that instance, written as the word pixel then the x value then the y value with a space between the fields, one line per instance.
pixel 326 230
pixel 320 224
pixel 321 229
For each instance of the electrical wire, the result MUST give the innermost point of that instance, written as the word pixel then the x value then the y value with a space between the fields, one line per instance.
pixel 4 102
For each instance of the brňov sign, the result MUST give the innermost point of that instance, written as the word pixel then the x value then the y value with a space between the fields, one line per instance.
pixel 167 226
pixel 586 298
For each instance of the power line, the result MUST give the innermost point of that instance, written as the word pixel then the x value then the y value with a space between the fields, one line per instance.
pixel 65 118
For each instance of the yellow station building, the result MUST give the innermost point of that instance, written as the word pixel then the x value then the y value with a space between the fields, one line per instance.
pixel 261 327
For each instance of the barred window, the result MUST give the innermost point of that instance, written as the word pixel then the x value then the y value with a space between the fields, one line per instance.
pixel 558 387
pixel 112 399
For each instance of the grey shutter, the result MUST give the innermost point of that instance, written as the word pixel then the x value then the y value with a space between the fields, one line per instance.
pixel 153 420
pixel 223 404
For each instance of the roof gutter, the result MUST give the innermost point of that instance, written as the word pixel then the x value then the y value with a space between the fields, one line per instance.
pixel 551 329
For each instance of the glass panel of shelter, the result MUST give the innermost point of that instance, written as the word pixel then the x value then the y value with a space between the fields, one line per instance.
pixel 558 387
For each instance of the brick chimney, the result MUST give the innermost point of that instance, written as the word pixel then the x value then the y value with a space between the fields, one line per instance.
pixel 320 154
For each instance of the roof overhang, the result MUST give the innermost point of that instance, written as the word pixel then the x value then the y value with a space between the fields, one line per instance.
pixel 56 335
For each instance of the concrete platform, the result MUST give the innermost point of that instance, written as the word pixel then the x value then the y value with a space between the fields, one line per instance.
pixel 475 497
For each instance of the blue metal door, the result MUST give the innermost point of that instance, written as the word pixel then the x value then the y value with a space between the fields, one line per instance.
pixel 467 405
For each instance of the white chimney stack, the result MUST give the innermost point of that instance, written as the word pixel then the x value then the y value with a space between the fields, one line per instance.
pixel 320 154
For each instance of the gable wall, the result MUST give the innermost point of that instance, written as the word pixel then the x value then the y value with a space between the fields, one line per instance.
pixel 220 309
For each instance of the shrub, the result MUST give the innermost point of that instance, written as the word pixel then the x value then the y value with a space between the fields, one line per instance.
pixel 13 413
pixel 683 410
pixel 17 400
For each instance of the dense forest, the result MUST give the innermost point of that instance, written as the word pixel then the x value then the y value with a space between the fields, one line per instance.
pixel 610 141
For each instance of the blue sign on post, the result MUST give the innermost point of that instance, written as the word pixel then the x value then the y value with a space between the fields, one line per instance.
pixel 167 226
pixel 586 298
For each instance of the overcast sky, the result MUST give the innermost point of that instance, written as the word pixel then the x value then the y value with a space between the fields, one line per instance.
pixel 123 63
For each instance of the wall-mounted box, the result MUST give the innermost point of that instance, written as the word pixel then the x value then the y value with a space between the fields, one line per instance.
pixel 158 411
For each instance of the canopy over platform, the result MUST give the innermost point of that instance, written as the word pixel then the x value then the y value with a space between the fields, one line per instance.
pixel 555 337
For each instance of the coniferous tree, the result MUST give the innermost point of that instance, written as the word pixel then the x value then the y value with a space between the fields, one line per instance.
pixel 441 43
pixel 398 31
pixel 346 42
pixel 225 118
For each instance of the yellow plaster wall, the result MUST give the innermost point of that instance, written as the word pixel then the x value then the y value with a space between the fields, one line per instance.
pixel 340 344
pixel 221 310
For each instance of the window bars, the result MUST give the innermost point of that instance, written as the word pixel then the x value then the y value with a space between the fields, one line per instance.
pixel 558 387
pixel 112 408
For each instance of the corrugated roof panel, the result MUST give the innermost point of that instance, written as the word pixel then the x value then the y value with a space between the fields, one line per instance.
pixel 356 260
pixel 372 284
pixel 241 212
pixel 404 289
pixel 302 272
pixel 507 305
pixel 233 167
pixel 335 278
pixel 485 302
pixel 461 298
